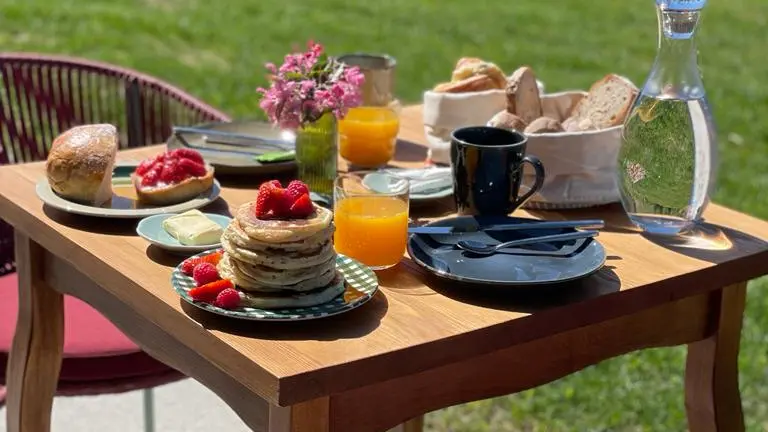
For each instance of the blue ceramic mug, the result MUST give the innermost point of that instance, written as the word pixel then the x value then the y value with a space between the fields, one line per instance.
pixel 487 165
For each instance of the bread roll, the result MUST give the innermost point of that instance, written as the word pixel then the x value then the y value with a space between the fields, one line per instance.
pixel 523 95
pixel 506 120
pixel 468 67
pixel 607 104
pixel 79 166
pixel 473 84
pixel 544 125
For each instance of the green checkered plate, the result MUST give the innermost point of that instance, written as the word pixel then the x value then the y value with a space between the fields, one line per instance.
pixel 360 282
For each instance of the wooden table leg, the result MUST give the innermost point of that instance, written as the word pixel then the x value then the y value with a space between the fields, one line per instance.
pixel 712 398
pixel 35 357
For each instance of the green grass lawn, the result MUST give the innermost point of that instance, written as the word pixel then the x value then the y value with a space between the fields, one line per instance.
pixel 217 52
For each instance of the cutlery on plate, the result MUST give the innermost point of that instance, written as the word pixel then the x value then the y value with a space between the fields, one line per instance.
pixel 232 139
pixel 481 248
pixel 589 223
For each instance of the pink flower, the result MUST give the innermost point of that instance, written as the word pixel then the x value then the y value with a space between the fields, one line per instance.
pixel 307 85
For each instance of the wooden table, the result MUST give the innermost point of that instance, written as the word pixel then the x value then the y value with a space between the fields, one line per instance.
pixel 418 346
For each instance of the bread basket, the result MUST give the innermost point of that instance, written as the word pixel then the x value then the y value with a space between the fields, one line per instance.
pixel 445 112
pixel 580 166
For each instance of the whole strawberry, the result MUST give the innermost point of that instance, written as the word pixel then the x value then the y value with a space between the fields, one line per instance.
pixel 205 273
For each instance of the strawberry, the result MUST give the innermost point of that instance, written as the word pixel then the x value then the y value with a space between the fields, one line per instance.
pixel 271 201
pixel 171 172
pixel 192 168
pixel 189 264
pixel 185 153
pixel 227 299
pixel 302 207
pixel 151 177
pixel 208 292
pixel 145 166
pixel 296 188
pixel 263 208
pixel 204 273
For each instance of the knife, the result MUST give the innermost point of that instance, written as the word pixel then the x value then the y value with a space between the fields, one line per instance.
pixel 590 223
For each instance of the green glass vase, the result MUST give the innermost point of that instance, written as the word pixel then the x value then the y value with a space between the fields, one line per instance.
pixel 317 153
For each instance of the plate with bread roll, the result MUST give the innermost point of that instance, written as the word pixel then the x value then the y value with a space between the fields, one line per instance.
pixel 83 177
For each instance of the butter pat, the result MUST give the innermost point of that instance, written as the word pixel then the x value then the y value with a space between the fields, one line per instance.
pixel 193 228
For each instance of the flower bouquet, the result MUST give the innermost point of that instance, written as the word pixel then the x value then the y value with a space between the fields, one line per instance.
pixel 309 93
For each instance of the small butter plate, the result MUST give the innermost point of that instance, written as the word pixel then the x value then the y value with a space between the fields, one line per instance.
pixel 151 229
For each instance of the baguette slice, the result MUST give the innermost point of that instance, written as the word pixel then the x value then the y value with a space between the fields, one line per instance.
pixel 523 95
pixel 607 104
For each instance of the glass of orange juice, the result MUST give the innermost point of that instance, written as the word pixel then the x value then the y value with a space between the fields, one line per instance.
pixel 371 217
pixel 368 134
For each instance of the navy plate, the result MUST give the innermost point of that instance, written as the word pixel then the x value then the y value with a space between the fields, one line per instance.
pixel 544 263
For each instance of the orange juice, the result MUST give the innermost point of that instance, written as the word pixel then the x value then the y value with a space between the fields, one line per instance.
pixel 371 229
pixel 367 136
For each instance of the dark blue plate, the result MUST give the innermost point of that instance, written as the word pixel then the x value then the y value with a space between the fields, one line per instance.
pixel 543 263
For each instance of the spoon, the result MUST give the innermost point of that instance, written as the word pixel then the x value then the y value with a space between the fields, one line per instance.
pixel 481 248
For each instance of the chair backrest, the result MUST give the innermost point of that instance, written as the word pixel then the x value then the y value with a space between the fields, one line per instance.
pixel 41 96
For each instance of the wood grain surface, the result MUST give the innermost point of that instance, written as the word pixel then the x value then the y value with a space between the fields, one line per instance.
pixel 416 323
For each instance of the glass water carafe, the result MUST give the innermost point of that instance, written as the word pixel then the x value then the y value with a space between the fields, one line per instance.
pixel 668 158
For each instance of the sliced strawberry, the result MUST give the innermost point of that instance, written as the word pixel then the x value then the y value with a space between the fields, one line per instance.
pixel 276 183
pixel 151 177
pixel 296 188
pixel 185 153
pixel 192 168
pixel 207 293
pixel 302 207
pixel 280 202
pixel 189 264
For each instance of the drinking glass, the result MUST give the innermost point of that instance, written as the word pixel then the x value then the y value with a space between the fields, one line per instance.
pixel 368 134
pixel 371 217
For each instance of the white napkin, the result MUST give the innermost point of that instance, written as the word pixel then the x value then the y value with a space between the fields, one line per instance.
pixel 424 180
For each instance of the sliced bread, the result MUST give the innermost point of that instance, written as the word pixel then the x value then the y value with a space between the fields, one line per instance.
pixel 523 95
pixel 607 104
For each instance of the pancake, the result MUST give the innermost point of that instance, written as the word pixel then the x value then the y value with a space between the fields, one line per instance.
pixel 229 269
pixel 294 300
pixel 238 237
pixel 282 260
pixel 275 277
pixel 281 230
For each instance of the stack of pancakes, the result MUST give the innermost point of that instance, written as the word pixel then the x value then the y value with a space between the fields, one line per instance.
pixel 281 263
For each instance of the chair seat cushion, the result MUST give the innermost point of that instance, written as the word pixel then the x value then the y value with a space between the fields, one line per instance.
pixel 94 349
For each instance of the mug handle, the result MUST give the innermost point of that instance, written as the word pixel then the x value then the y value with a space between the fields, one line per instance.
pixel 537 184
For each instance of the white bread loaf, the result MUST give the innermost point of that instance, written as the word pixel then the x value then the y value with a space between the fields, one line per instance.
pixel 79 165
pixel 523 95
pixel 607 104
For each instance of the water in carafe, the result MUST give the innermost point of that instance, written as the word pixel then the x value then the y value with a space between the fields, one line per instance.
pixel 668 158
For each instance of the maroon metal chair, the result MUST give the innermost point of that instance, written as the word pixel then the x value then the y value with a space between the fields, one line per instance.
pixel 40 97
